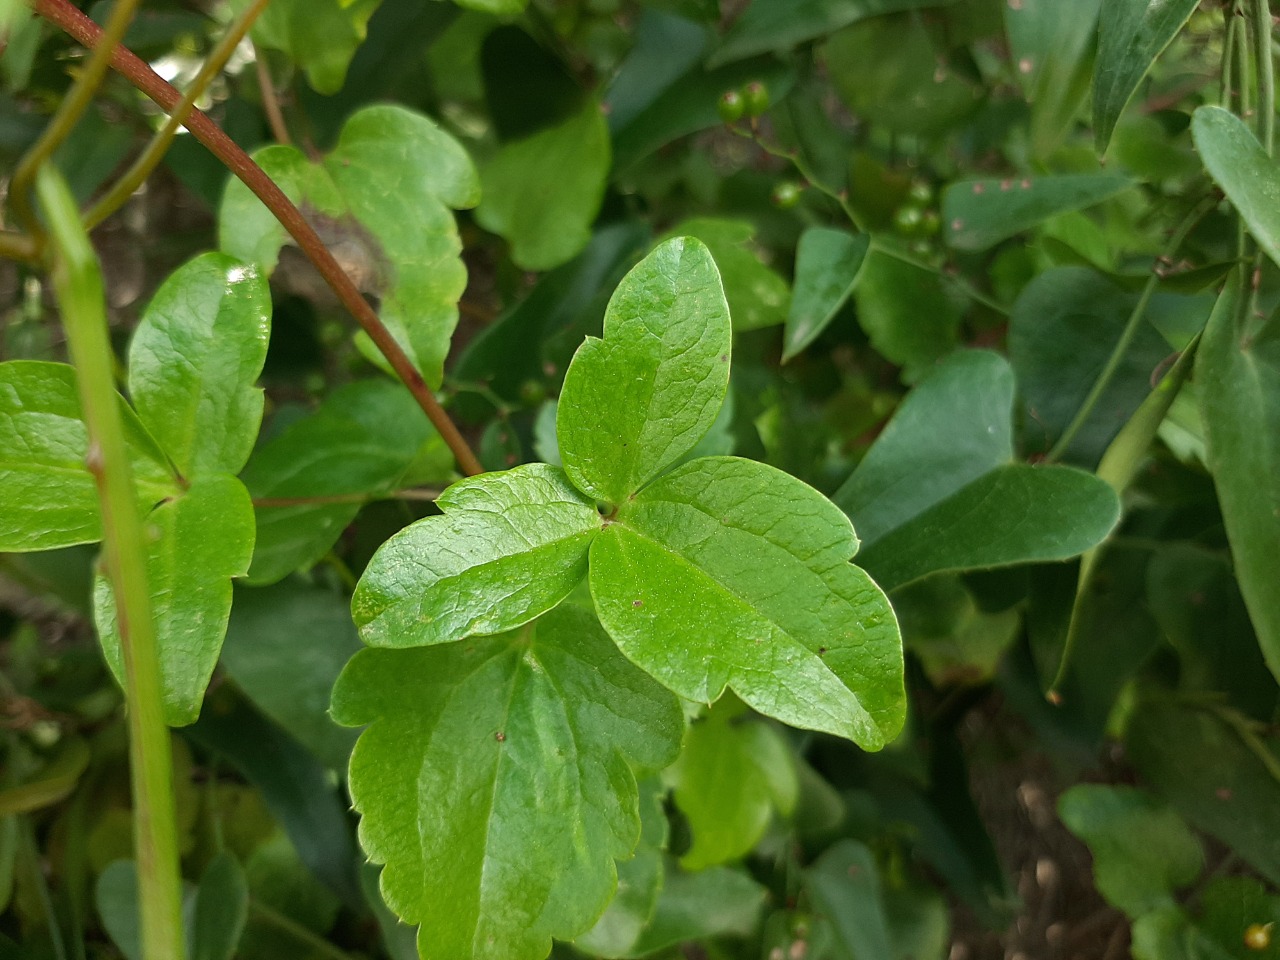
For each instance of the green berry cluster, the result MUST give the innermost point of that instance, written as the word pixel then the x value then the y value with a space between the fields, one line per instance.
pixel 749 101
pixel 917 219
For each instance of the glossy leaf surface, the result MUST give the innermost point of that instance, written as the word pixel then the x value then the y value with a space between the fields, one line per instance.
pixel 366 440
pixel 496 784
pixel 757 295
pixel 1239 165
pixel 643 396
pixel 509 547
pixel 529 199
pixel 200 541
pixel 1238 375
pixel 194 359
pixel 1130 37
pixel 977 214
pixel 47 494
pixel 728 573
pixel 383 197
pixel 827 266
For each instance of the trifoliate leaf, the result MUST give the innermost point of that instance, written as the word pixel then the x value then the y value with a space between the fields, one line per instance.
pixel 636 401
pixel 509 546
pixel 495 781
pixel 726 572
pixel 381 200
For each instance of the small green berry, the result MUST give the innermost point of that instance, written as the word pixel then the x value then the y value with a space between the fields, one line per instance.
pixel 731 106
pixel 920 193
pixel 755 98
pixel 786 195
pixel 909 221
pixel 532 392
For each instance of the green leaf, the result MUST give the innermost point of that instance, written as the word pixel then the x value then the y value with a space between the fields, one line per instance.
pixel 1238 375
pixel 827 266
pixel 200 540
pixel 509 547
pixel 907 313
pixel 116 897
pixel 263 633
pixel 1130 37
pixel 639 399
pixel 696 906
pixel 47 494
pixel 728 573
pixel 1143 852
pixel 194 359
pixel 1241 167
pixel 978 214
pixel 1216 771
pixel 953 428
pixel 1015 514
pixel 730 777
pixel 768 25
pixel 844 885
pixel 383 199
pixel 916 92
pixel 366 440
pixel 640 881
pixel 543 193
pixel 1051 45
pixel 321 36
pixel 757 295
pixel 496 783
pixel 221 909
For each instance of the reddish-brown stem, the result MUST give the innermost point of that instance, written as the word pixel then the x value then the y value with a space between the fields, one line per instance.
pixel 84 30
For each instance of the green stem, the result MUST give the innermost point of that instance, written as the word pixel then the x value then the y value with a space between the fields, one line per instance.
pixel 1225 94
pixel 1266 73
pixel 960 283
pixel 77 281
pixel 1131 328
pixel 68 114
pixel 150 158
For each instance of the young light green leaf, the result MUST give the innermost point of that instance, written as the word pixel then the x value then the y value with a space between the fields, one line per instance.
pixel 757 294
pixel 636 401
pixel 732 774
pixel 495 781
pixel 1238 375
pixel 530 199
pixel 845 886
pixel 1014 514
pixel 509 547
pixel 1247 175
pixel 366 440
pixel 768 25
pixel 951 429
pixel 827 266
pixel 321 36
pixel 1130 37
pixel 977 214
pixel 1143 852
pixel 383 198
pixel 729 573
pixel 194 359
pixel 200 541
pixel 907 313
pixel 47 494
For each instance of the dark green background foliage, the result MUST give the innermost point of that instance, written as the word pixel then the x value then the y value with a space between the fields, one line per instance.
pixel 879 557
